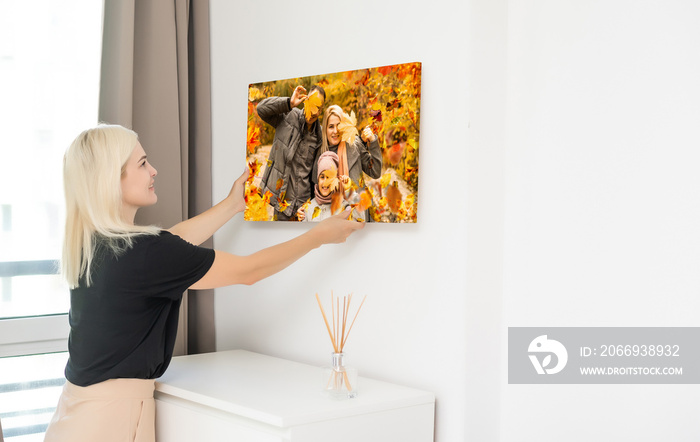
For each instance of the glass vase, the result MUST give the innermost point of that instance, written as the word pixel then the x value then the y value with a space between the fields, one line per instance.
pixel 339 380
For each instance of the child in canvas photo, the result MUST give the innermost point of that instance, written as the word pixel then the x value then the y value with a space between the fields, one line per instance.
pixel 332 193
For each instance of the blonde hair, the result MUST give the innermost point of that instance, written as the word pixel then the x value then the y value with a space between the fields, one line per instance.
pixel 92 169
pixel 331 110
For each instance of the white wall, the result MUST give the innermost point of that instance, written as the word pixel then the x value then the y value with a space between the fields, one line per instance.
pixel 432 315
pixel 569 172
pixel 602 201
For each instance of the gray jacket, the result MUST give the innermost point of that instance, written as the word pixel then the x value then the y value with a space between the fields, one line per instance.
pixel 292 155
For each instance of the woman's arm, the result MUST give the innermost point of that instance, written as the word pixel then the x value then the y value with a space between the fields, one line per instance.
pixel 198 229
pixel 370 153
pixel 229 269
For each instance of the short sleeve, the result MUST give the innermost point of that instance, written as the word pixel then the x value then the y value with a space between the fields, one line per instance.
pixel 172 264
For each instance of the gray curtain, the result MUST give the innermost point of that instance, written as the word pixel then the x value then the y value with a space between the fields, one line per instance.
pixel 155 79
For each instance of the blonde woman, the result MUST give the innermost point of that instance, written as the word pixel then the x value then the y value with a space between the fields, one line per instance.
pixel 127 281
pixel 361 155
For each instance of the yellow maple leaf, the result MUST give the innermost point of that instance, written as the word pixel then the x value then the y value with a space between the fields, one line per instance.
pixel 312 104
pixel 254 167
pixel 267 196
pixel 385 179
pixel 317 212
pixel 282 205
pixel 348 127
pixel 256 209
pixel 255 94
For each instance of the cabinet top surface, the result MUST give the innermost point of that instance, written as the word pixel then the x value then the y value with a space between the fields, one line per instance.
pixel 274 391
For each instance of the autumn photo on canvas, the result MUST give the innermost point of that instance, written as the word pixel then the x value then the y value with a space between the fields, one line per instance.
pixel 341 142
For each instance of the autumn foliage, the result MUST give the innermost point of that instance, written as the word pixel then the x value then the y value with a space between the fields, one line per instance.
pixel 385 98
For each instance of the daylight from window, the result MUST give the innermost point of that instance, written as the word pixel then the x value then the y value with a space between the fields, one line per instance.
pixel 49 87
pixel 49 80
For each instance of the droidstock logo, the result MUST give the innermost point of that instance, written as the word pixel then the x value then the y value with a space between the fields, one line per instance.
pixel 545 348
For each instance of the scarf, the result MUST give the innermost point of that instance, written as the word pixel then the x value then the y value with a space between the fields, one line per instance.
pixel 343 159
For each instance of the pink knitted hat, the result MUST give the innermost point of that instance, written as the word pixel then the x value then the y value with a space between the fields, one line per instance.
pixel 326 161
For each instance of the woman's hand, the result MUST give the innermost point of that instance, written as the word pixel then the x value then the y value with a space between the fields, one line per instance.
pixel 368 135
pixel 301 214
pixel 298 96
pixel 336 229
pixel 237 194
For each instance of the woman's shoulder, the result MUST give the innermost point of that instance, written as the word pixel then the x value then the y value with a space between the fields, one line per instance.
pixel 172 252
pixel 167 238
pixel 162 239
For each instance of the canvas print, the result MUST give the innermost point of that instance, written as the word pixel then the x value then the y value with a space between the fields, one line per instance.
pixel 324 144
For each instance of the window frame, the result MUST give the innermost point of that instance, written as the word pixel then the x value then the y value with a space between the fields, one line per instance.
pixel 34 335
pixel 29 335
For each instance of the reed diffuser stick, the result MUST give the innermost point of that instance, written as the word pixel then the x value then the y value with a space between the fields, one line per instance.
pixel 353 321
pixel 326 321
pixel 339 331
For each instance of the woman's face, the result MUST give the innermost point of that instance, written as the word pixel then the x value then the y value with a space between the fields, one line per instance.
pixel 138 181
pixel 332 133
pixel 327 181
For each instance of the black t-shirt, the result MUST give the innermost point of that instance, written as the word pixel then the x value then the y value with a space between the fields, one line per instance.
pixel 124 324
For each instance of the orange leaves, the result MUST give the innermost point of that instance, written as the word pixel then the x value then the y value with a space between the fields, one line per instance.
pixel 254 168
pixel 256 204
pixel 390 103
pixel 282 204
pixel 254 133
pixel 407 211
pixel 384 70
pixel 312 104
pixel 393 197
pixel 253 139
pixel 365 201
pixel 392 200
pixel 395 153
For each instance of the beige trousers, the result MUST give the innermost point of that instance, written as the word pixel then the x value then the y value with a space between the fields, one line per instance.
pixel 117 410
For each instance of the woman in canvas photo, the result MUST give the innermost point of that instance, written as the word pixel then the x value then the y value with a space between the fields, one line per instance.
pixel 357 154
pixel 126 283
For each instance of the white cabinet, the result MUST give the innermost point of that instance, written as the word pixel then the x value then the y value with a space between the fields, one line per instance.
pixel 243 396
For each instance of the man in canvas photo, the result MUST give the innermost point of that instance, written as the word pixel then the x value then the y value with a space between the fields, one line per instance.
pixel 297 139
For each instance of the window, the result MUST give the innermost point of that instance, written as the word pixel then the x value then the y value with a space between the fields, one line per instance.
pixel 49 84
